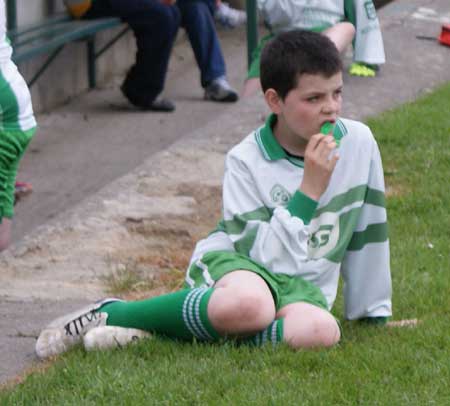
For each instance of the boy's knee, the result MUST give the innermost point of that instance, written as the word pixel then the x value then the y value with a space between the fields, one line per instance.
pixel 327 332
pixel 254 306
pixel 350 27
pixel 319 331
pixel 252 309
pixel 351 31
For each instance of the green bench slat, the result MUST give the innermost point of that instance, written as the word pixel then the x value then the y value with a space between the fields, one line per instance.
pixel 50 35
pixel 44 34
pixel 16 33
pixel 45 38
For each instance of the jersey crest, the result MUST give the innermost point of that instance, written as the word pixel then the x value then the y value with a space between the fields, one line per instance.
pixel 279 195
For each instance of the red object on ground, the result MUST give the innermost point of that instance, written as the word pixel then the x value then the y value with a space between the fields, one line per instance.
pixel 444 38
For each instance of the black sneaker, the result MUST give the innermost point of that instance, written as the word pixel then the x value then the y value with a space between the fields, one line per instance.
pixel 144 103
pixel 220 90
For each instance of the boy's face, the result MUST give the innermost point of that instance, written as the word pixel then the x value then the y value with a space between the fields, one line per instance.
pixel 314 101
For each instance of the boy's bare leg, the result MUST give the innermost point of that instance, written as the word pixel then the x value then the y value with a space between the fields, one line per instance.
pixel 341 34
pixel 5 233
pixel 251 86
pixel 308 326
pixel 241 304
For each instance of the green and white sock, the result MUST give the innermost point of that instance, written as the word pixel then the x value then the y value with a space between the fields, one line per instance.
pixel 181 315
pixel 272 334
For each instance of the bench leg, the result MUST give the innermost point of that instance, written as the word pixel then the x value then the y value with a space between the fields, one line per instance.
pixel 92 77
pixel 44 67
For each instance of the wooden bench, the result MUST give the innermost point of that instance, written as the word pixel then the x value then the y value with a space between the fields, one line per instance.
pixel 52 34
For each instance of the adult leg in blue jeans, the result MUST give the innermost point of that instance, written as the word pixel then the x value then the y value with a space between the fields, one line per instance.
pixel 155 27
pixel 197 19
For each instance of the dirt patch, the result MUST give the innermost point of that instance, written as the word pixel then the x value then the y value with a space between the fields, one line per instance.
pixel 395 190
pixel 169 240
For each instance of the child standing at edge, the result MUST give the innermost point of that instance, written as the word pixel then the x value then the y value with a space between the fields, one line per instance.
pixel 298 212
pixel 17 127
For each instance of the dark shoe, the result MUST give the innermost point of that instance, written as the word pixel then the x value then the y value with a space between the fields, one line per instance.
pixel 144 103
pixel 220 90
pixel 160 104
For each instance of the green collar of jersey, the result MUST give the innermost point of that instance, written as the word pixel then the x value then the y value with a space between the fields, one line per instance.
pixel 267 142
pixel 270 147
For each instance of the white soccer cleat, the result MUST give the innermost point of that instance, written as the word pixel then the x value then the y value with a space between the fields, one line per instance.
pixel 106 337
pixel 67 331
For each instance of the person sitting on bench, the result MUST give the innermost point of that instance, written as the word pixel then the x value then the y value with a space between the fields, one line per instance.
pixel 155 25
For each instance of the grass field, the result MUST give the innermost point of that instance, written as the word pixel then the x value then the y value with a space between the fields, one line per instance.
pixel 372 365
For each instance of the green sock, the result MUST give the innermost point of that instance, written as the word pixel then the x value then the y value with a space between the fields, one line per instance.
pixel 272 334
pixel 182 315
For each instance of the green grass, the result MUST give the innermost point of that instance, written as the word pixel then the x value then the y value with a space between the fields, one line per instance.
pixel 372 365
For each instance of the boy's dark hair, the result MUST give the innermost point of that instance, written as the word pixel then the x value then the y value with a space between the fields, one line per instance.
pixel 294 53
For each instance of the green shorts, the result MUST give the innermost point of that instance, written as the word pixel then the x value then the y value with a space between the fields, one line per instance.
pixel 12 147
pixel 285 289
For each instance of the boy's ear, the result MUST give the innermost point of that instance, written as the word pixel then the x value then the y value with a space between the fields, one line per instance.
pixel 273 100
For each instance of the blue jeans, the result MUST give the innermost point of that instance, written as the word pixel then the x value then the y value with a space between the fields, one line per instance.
pixel 155 27
pixel 198 21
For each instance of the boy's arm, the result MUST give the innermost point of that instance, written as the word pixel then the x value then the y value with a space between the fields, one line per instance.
pixel 366 268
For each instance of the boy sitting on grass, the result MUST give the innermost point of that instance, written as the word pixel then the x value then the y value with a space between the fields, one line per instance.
pixel 300 208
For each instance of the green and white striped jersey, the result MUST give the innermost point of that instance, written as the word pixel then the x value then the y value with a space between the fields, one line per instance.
pixel 317 15
pixel 5 48
pixel 266 217
pixel 16 111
